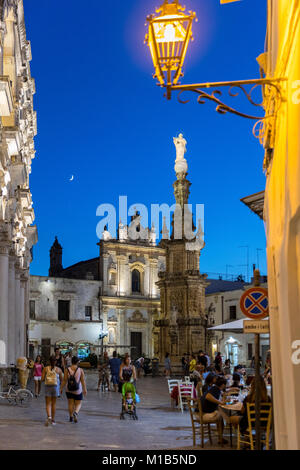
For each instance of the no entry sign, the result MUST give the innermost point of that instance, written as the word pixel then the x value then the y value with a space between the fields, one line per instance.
pixel 254 303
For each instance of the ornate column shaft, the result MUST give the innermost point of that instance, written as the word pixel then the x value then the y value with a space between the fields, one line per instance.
pixel 3 304
pixel 11 310
pixel 18 322
pixel 23 285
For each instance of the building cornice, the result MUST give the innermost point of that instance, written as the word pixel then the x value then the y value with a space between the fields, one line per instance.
pixel 128 302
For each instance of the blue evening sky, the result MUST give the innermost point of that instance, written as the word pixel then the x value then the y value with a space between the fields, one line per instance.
pixel 102 118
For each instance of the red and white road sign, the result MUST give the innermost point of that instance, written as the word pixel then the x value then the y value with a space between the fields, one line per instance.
pixel 254 303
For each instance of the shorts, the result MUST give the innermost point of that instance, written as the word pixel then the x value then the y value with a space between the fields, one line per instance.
pixel 38 379
pixel 73 396
pixel 105 373
pixel 115 379
pixel 212 417
pixel 51 391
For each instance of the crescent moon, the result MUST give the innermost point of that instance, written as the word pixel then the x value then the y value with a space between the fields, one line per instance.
pixel 72 177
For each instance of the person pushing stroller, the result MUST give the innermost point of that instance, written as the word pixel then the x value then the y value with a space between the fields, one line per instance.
pixel 128 390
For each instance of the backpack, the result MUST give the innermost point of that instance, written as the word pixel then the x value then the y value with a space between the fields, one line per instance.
pixel 51 377
pixel 73 385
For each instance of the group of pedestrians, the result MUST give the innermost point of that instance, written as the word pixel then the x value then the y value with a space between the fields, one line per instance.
pixel 116 371
pixel 62 372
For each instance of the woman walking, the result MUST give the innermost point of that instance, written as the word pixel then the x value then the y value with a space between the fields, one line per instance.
pixel 37 376
pixel 76 387
pixel 51 374
pixel 167 365
pixel 127 373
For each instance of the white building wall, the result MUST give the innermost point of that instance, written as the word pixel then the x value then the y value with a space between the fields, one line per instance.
pixel 17 131
pixel 46 292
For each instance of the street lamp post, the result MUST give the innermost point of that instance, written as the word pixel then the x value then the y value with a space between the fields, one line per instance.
pixel 168 38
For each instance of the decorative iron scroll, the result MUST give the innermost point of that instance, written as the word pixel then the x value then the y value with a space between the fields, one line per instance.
pixel 269 87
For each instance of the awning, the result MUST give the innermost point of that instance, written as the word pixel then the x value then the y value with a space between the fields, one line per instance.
pixel 236 326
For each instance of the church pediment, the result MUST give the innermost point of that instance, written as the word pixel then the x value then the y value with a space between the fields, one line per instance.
pixel 137 317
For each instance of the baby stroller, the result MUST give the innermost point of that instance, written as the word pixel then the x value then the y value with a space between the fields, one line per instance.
pixel 128 408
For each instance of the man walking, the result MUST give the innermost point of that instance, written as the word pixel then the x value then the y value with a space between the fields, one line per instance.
pixel 115 364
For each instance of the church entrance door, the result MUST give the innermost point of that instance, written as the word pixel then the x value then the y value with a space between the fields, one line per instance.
pixel 136 344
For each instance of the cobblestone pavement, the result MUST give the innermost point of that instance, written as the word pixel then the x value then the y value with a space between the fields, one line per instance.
pixel 99 426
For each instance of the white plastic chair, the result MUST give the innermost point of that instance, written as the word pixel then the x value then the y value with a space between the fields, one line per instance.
pixel 172 383
pixel 186 393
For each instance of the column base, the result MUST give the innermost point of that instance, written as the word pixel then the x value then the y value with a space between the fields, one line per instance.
pixel 5 377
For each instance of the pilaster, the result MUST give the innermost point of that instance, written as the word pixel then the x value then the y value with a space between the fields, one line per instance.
pixel 4 253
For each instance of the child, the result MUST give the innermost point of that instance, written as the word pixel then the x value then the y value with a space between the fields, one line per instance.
pixel 128 394
pixel 129 402
pixel 37 375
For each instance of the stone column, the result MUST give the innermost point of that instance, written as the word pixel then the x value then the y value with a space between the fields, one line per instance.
pixel 3 304
pixel 11 310
pixel 23 322
pixel 147 277
pixel 18 350
pixel 26 307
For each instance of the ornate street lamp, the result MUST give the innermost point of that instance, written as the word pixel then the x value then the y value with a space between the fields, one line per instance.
pixel 168 37
pixel 169 34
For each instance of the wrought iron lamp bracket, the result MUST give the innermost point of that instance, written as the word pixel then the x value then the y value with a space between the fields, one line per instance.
pixel 271 89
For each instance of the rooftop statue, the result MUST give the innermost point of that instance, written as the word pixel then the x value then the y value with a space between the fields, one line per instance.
pixel 180 144
pixel 181 166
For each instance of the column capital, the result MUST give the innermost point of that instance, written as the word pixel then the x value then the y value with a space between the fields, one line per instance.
pixel 18 268
pixel 12 260
pixel 4 249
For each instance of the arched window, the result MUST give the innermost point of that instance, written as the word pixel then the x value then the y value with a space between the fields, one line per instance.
pixel 136 281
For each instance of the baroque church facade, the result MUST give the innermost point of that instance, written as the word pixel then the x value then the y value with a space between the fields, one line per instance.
pixel 114 295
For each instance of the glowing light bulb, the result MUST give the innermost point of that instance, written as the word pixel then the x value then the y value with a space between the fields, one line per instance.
pixel 169 35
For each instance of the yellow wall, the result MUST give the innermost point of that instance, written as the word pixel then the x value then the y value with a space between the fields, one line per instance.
pixel 282 213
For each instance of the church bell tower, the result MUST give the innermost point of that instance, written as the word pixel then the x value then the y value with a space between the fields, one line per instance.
pixel 55 259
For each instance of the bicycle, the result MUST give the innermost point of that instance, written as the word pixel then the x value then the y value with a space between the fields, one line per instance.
pixel 21 397
pixel 104 380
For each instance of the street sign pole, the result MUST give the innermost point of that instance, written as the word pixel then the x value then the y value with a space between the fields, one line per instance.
pixel 257 392
pixel 254 305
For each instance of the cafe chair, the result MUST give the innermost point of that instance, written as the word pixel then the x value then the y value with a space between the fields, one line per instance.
pixel 199 389
pixel 248 438
pixel 200 425
pixel 186 392
pixel 172 383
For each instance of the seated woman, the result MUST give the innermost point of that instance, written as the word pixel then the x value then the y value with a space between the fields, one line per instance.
pixel 236 384
pixel 210 406
pixel 227 367
pixel 209 382
pixel 242 418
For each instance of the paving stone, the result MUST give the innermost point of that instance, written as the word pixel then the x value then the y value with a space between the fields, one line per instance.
pixel 99 426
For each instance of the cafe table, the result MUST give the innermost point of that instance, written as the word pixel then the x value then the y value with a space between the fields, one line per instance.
pixel 232 406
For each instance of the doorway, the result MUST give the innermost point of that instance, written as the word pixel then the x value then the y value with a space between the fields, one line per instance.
pixel 136 344
pixel 264 353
